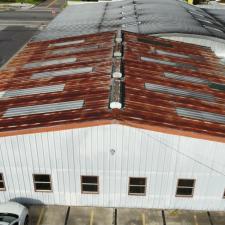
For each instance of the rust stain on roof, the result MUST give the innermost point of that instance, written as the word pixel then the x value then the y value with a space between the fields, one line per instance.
pixel 84 65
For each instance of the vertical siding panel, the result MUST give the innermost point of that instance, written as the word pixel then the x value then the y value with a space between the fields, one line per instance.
pixel 162 158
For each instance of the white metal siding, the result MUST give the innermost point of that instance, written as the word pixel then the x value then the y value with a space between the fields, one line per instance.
pixel 162 158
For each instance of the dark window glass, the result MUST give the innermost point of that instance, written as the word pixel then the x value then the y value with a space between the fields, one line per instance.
pixel 42 182
pixel 42 177
pixel 43 186
pixel 185 187
pixel 137 185
pixel 186 183
pixel 90 188
pixel 137 190
pixel 137 181
pixel 185 191
pixel 89 184
pixel 90 179
pixel 2 185
pixel 2 182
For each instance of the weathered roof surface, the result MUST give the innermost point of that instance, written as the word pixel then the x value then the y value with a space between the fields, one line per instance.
pixel 85 79
pixel 141 16
pixel 65 83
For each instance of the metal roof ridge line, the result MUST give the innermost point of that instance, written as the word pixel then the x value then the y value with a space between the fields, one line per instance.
pixel 116 90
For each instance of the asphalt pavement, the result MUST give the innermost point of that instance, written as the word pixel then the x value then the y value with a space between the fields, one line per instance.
pixel 12 38
pixel 18 27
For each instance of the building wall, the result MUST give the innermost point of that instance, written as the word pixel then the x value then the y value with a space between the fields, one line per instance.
pixel 162 158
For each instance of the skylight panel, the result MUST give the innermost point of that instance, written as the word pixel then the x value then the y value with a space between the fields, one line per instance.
pixel 185 78
pixel 161 52
pixel 178 55
pixel 200 115
pixel 45 108
pixel 73 50
pixel 33 91
pixel 169 63
pixel 65 72
pixel 216 86
pixel 179 92
pixel 49 62
pixel 154 42
pixel 66 43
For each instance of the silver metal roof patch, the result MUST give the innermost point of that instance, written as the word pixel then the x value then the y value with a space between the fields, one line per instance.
pixel 45 108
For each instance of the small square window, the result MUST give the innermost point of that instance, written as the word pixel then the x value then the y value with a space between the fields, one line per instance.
pixel 89 184
pixel 2 182
pixel 137 186
pixel 42 182
pixel 185 187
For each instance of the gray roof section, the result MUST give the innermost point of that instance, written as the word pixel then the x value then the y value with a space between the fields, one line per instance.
pixel 141 16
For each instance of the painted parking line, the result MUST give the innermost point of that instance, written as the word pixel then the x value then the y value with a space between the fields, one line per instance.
pixel 143 218
pixel 40 216
pixel 51 3
pixel 92 217
pixel 36 214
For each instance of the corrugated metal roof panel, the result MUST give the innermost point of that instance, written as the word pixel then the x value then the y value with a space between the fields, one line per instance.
pixel 201 115
pixel 141 108
pixel 66 43
pixel 49 62
pixel 64 72
pixel 45 108
pixel 185 78
pixel 180 92
pixel 169 63
pixel 33 91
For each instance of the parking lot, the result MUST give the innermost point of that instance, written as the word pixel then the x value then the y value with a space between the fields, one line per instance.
pixel 64 215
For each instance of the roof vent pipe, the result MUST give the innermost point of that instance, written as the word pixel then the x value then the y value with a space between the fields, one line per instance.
pixel 117 48
pixel 116 94
pixel 116 73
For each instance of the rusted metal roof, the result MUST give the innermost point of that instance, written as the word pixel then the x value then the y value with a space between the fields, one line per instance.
pixel 169 86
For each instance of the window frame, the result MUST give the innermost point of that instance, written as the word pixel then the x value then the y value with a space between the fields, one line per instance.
pixel 91 184
pixel 145 186
pixel 193 188
pixel 50 182
pixel 2 181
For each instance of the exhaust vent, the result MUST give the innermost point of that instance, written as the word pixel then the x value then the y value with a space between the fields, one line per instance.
pixel 116 94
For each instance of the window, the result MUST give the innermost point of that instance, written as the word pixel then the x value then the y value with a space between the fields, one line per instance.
pixel 89 184
pixel 185 187
pixel 42 182
pixel 137 186
pixel 2 182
